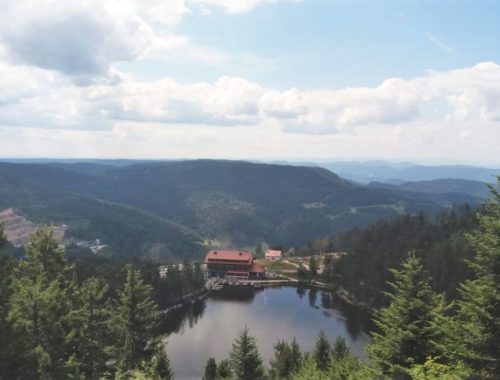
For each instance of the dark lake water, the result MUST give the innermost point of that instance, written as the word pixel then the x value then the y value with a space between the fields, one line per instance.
pixel 207 328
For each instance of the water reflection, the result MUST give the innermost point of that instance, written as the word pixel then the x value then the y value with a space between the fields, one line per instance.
pixel 301 291
pixel 178 317
pixel 208 327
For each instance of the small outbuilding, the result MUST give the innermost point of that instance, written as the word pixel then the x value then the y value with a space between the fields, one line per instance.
pixel 272 254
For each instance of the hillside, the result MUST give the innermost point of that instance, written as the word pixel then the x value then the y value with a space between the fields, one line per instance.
pixel 42 194
pixel 231 203
pixel 17 227
pixel 244 203
pixel 450 187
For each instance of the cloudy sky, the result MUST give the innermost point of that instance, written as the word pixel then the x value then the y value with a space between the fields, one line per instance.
pixel 267 79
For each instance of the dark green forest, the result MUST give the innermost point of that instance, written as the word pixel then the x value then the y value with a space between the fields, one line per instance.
pixel 85 317
pixel 165 210
pixel 440 242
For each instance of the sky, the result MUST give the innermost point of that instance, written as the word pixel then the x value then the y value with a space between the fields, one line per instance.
pixel 251 79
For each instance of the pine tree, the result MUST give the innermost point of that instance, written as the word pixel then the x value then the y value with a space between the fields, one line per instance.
pixel 340 349
pixel 475 335
pixel 40 307
pixel 134 321
pixel 281 363
pixel 10 344
pixel 224 370
pixel 295 356
pixel 405 327
pixel 309 370
pixel 3 238
pixel 159 367
pixel 322 352
pixel 90 336
pixel 286 359
pixel 313 266
pixel 246 362
pixel 210 370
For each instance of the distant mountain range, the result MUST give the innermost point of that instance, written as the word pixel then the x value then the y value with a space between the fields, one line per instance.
pixel 176 208
pixel 376 171
pixel 440 186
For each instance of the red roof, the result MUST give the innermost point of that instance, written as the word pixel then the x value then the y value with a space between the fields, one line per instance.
pixel 256 268
pixel 242 257
pixel 273 253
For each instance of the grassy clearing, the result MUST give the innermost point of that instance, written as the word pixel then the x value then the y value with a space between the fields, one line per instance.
pixel 275 265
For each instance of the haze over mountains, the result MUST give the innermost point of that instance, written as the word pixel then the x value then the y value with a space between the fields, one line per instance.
pixel 163 209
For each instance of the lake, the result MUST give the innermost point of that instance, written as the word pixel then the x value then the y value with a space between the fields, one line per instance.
pixel 207 328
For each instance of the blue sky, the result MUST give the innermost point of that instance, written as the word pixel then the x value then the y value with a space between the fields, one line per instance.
pixel 268 79
pixel 336 44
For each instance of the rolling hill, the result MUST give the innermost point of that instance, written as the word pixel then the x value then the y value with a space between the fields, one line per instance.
pixel 43 193
pixel 168 208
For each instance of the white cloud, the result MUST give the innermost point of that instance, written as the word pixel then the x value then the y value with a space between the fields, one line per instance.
pixel 84 38
pixel 237 6
pixel 34 97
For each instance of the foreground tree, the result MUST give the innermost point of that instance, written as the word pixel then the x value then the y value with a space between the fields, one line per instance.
pixel 40 306
pixel 322 352
pixel 475 334
pixel 10 345
pixel 287 359
pixel 340 350
pixel 158 367
pixel 246 362
pixel 406 329
pixel 134 322
pixel 224 370
pixel 90 336
pixel 210 370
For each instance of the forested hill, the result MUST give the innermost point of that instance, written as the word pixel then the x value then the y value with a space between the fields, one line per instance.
pixel 441 186
pixel 45 195
pixel 239 202
pixel 231 203
pixel 373 250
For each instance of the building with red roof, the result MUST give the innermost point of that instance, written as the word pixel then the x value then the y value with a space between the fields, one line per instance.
pixel 272 254
pixel 227 263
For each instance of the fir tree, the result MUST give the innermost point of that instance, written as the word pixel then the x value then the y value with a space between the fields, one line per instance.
pixel 295 356
pixel 158 367
pixel 224 370
pixel 286 360
pixel 90 336
pixel 475 333
pixel 3 238
pixel 210 370
pixel 134 322
pixel 246 362
pixel 309 370
pixel 405 327
pixel 40 307
pixel 313 266
pixel 322 352
pixel 340 349
pixel 10 343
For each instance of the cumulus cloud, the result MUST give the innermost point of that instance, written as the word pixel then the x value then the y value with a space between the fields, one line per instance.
pixel 34 97
pixel 84 38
